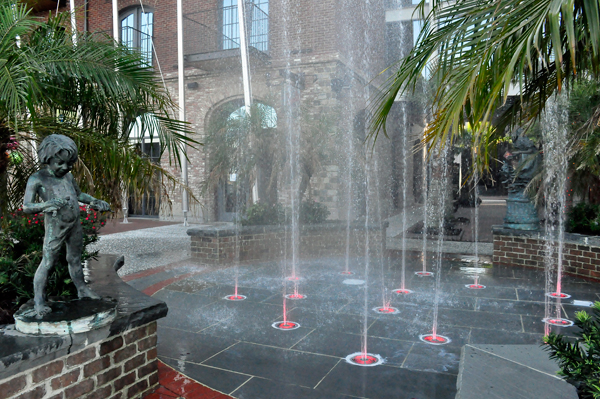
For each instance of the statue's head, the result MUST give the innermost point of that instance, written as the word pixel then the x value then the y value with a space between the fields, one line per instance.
pixel 54 145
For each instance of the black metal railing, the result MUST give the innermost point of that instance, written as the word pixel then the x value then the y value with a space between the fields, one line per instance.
pixel 218 29
pixel 136 39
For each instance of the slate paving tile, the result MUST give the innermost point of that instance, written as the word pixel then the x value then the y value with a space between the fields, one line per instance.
pixel 145 282
pixel 507 306
pixel 445 300
pixel 403 330
pixel 489 292
pixel 384 382
pixel 260 388
pixel 177 299
pixel 218 292
pixel 274 363
pixel 189 286
pixel 490 320
pixel 341 345
pixel 407 311
pixel 221 380
pixel 329 322
pixel 196 319
pixel 258 330
pixel 539 295
pixel 437 358
pixel 310 303
pixel 532 324
pixel 484 336
pixel 189 346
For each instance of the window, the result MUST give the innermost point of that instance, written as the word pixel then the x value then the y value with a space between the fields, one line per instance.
pixel 257 22
pixel 137 30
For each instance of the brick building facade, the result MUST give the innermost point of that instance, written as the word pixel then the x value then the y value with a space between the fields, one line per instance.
pixel 334 47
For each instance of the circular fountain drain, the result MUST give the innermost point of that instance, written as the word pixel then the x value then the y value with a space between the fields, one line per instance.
pixel 285 325
pixel 235 297
pixel 386 310
pixel 402 291
pixel 558 322
pixel 295 296
pixel 353 282
pixel 434 339
pixel 292 278
pixel 475 286
pixel 560 295
pixel 364 359
pixel 424 274
pixel 347 273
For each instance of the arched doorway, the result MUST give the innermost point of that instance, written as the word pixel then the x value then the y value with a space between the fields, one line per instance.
pixel 240 149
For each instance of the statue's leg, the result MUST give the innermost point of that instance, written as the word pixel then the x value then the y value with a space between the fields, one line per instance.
pixel 74 248
pixel 50 253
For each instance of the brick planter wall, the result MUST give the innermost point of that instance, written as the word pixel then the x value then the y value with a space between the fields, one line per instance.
pixel 581 254
pixel 217 245
pixel 116 361
pixel 124 366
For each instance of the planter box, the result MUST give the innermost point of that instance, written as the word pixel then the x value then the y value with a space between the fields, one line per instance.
pixel 581 254
pixel 118 360
pixel 217 245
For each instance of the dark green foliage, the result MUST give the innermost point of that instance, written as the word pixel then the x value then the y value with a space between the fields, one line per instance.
pixel 261 214
pixel 584 219
pixel 580 360
pixel 312 212
pixel 21 241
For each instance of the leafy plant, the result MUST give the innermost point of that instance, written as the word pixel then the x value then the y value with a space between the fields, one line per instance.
pixel 312 212
pixel 261 214
pixel 477 51
pixel 21 244
pixel 95 91
pixel 584 219
pixel 580 360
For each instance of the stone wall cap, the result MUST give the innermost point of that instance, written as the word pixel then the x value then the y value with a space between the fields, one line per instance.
pixel 571 238
pixel 230 230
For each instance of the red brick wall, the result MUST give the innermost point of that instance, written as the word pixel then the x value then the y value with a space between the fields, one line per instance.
pixel 265 246
pixel 579 260
pixel 122 366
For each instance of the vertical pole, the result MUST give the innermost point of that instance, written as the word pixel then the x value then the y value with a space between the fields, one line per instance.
pixel 115 10
pixel 115 15
pixel 73 22
pixel 244 55
pixel 182 116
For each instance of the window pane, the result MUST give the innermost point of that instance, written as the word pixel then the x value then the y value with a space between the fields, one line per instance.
pixel 146 28
pixel 127 27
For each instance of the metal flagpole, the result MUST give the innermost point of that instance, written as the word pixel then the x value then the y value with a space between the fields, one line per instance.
pixel 115 15
pixel 73 22
pixel 182 116
pixel 244 56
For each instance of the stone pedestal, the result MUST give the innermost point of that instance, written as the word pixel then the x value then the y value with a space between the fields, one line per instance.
pixel 521 213
pixel 67 317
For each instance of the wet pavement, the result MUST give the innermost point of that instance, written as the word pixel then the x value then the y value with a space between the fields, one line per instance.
pixel 231 346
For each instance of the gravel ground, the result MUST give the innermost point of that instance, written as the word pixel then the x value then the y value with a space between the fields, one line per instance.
pixel 147 248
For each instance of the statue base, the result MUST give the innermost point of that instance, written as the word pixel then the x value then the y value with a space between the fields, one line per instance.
pixel 67 316
pixel 521 214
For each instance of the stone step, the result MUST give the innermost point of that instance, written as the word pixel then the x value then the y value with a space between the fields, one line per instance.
pixel 510 372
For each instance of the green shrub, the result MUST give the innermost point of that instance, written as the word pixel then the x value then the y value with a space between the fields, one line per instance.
pixel 21 242
pixel 580 360
pixel 312 212
pixel 584 219
pixel 261 214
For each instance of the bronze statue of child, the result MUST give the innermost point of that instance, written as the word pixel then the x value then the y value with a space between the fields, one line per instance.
pixel 55 186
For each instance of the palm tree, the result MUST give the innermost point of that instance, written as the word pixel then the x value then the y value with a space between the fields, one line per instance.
pixel 477 49
pixel 94 91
